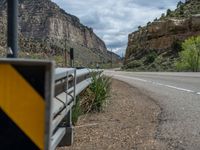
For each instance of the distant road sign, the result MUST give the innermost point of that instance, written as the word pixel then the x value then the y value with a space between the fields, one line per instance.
pixel 25 102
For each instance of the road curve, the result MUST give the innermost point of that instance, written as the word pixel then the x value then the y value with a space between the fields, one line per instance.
pixel 178 95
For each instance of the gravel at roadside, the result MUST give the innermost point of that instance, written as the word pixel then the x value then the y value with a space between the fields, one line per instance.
pixel 129 121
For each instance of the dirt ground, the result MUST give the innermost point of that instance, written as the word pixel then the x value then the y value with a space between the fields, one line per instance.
pixel 128 122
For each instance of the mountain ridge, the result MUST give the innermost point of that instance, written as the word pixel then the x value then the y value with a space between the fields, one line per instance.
pixel 46 28
pixel 155 47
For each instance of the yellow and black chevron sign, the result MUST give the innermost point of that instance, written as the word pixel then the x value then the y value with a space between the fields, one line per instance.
pixel 25 96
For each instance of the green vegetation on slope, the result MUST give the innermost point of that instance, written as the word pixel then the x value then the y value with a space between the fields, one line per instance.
pixel 156 46
pixel 152 62
pixel 191 7
pixel 190 56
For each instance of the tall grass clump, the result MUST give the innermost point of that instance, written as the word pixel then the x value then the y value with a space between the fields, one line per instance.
pixel 76 111
pixel 100 86
pixel 93 98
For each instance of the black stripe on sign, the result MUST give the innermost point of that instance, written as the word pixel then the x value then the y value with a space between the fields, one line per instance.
pixel 12 137
pixel 35 75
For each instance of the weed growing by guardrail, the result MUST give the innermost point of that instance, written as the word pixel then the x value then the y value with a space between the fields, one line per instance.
pixel 93 98
pixel 76 112
pixel 101 88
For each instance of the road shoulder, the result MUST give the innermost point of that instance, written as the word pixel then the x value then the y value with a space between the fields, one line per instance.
pixel 129 121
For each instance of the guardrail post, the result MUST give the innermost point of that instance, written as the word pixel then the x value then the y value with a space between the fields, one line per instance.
pixel 68 138
pixel 12 17
pixel 69 83
pixel 75 87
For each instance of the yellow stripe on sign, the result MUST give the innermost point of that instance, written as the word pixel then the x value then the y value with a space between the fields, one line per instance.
pixel 22 104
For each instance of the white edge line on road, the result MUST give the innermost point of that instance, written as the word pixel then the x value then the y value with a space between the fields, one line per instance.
pixel 131 78
pixel 160 84
pixel 181 89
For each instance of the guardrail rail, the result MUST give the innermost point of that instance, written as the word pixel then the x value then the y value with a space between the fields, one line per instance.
pixel 36 102
pixel 69 83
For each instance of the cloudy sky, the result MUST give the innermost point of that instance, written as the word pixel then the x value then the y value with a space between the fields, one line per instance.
pixel 113 20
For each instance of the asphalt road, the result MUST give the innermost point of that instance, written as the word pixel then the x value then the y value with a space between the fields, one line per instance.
pixel 178 96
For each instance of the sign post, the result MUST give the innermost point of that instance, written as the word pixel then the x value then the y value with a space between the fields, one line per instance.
pixel 12 30
pixel 71 57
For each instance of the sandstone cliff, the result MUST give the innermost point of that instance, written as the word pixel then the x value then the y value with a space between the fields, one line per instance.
pixel 156 46
pixel 45 28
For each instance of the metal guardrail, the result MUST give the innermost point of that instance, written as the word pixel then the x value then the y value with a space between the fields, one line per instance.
pixel 52 114
pixel 69 83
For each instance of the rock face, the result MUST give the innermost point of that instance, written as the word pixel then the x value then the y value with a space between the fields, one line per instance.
pixel 47 20
pixel 43 26
pixel 162 37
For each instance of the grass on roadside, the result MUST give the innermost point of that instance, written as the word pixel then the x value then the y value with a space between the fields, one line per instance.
pixel 101 88
pixel 76 112
pixel 94 97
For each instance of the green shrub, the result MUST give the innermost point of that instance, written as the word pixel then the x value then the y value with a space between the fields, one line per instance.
pixel 87 98
pixel 168 12
pixel 190 56
pixel 134 64
pixel 150 58
pixel 176 46
pixel 101 88
pixel 180 66
pixel 76 112
pixel 93 98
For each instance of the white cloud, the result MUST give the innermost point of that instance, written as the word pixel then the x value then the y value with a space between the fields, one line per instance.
pixel 113 20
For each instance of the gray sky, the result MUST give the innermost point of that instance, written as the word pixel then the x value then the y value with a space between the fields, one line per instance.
pixel 113 20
